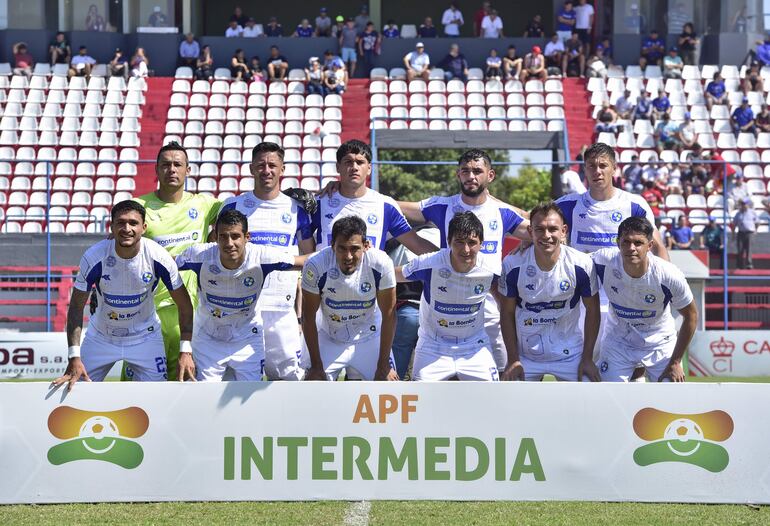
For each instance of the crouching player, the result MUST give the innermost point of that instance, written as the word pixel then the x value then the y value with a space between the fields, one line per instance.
pixel 228 327
pixel 641 288
pixel 125 326
pixel 350 289
pixel 542 288
pixel 451 339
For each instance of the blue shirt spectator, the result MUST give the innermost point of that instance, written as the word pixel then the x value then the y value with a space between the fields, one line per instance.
pixel 652 47
pixel 643 107
pixel 716 87
pixel 454 64
pixel 304 30
pixel 763 52
pixel 661 103
pixel 391 30
pixel 681 235
pixel 743 115
pixel 565 22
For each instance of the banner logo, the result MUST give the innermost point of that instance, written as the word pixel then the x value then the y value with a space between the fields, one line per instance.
pixel 689 438
pixel 97 435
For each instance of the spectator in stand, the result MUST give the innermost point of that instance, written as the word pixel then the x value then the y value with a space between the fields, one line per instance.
pixel 665 133
pixel 494 65
pixel 239 16
pixel 512 64
pixel 534 66
pixel 763 120
pixel 189 50
pixel 330 58
pixel 584 21
pixel 368 47
pixel 452 19
pixel 597 64
pixel 653 48
pixel 417 63
pixel 362 19
pixel 716 93
pixel 739 191
pixel 257 73
pixel 23 63
pixel 454 64
pixel 323 24
pixel 688 43
pixel 554 50
pixel 239 69
pixel 574 60
pixel 479 16
pixel 632 176
pixel 745 224
pixel 390 30
pixel 685 136
pixel 304 29
pixel 427 29
pixel 712 238
pixel 492 25
pixel 672 65
pixel 339 23
pixel 95 21
pixel 624 106
pixel 59 50
pixel 273 28
pixel 335 79
pixel 681 236
pixel 140 64
pixel 762 54
pixel 204 65
pixel 716 172
pixel 654 199
pixel 118 65
pixel 314 76
pixel 157 18
pixel 277 65
pixel 753 79
pixel 348 37
pixel 234 30
pixel 742 119
pixel 535 28
pixel 252 29
pixel 81 64
pixel 607 119
pixel 571 183
pixel 606 44
pixel 565 21
pixel 643 109
pixel 660 105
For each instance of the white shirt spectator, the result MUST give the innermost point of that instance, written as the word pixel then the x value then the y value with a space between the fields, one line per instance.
pixel 491 28
pixel 553 47
pixel 419 61
pixel 452 28
pixel 571 183
pixel 252 32
pixel 140 70
pixel 583 15
pixel 232 32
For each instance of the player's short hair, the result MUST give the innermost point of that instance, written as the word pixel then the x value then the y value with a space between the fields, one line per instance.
pixel 172 146
pixel 267 147
pixel 473 155
pixel 600 149
pixel 545 208
pixel 636 225
pixel 347 227
pixel 127 206
pixel 232 217
pixel 355 147
pixel 463 225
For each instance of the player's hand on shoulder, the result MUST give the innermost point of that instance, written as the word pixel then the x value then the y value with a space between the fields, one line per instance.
pixel 587 368
pixel 513 372
pixel 75 371
pixel 315 374
pixel 330 189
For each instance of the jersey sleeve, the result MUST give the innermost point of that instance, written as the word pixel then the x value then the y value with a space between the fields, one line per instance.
pixel 272 259
pixel 567 204
pixel 304 224
pixel 601 259
pixel 89 273
pixel 384 272
pixel 587 281
pixel 311 275
pixel 511 220
pixel 166 269
pixel 190 259
pixel 676 288
pixel 394 220
pixel 508 286
pixel 640 208
pixel 418 269
pixel 214 206
pixel 229 204
pixel 434 210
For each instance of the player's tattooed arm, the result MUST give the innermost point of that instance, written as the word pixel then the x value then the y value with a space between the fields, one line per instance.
pixel 386 301
pixel 587 367
pixel 412 212
pixel 674 370
pixel 416 244
pixel 513 369
pixel 75 368
pixel 310 304
pixel 658 247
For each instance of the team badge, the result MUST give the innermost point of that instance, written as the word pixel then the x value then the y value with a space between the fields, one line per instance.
pixel 366 287
pixel 111 261
pixel 445 273
pixel 113 316
pixel 248 281
pixel 286 217
pixel 493 224
pixel 528 322
pixel 147 277
pixel 616 273
pixel 309 275
pixel 214 269
pixel 195 236
pixel 371 219
pixel 283 239
pixel 248 301
pixel 478 289
pixel 334 202
pixel 531 272
pixel 564 285
pixel 616 217
pixel 604 366
pixel 457 209
pixel 248 203
pixel 649 298
pixel 443 322
pixel 193 213
pixel 334 273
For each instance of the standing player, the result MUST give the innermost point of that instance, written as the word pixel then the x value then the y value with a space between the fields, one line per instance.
pixel 125 271
pixel 542 288
pixel 276 220
pixel 475 174
pixel 452 341
pixel 231 274
pixel 350 288
pixel 175 220
pixel 641 289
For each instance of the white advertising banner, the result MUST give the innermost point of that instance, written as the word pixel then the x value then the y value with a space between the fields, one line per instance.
pixel 730 353
pixel 32 355
pixel 360 440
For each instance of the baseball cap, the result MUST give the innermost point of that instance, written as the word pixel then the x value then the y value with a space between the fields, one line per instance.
pixel 419 44
pixel 536 49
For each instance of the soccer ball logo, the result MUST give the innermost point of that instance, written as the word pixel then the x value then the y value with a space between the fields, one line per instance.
pixel 286 217
pixel 98 427
pixel 684 437
pixel 283 239
pixel 493 224
pixel 478 289
pixel 193 213
pixel 371 219
pixel 366 287
pixel 564 285
pixel 248 281
pixel 195 236
pixel 111 261
pixel 616 217
pixel 147 277
pixel 650 298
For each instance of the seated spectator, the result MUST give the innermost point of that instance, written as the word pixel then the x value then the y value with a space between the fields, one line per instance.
pixel 653 48
pixel 597 64
pixel 417 63
pixel 554 50
pixel 81 64
pixel 512 64
pixel 716 93
pixel 314 76
pixel 255 67
pixel 672 65
pixel 347 39
pixel 189 50
pixel 330 58
pixel 335 79
pixel 390 30
pixel 23 63
pixel 454 64
pixel 632 175
pixel 685 135
pixel 534 66
pixel 339 23
pixel 654 197
pixel 565 21
pixel 688 42
pixel 494 65
pixel 643 109
pixel 368 47
pixel 118 65
pixel 157 18
pixel 452 19
pixel 681 236
pixel 238 67
pixel 742 119
pixel 239 17
pixel 574 60
pixel 234 30
pixel 535 28
pixel 712 238
pixel 252 29
pixel 607 47
pixel 59 50
pixel 273 28
pixel 140 64
pixel 660 105
pixel 607 119
pixel 304 29
pixel 204 66
pixel 762 54
pixel 277 65
pixel 763 120
pixel 666 133
pixel 323 24
pixel 492 25
pixel 427 29
pixel 753 80
pixel 624 106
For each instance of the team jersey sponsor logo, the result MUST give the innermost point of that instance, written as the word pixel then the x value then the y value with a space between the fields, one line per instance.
pixel 122 302
pixel 192 213
pixel 349 304
pixel 538 320
pixel 599 239
pixel 180 238
pixel 456 308
pixel 544 305
pixel 280 239
pixel 489 247
pixel 632 314
pixel 231 303
pixel 117 316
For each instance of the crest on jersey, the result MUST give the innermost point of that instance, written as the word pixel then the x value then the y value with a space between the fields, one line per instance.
pixel 283 239
pixel 564 285
pixel 366 287
pixel 214 269
pixel 286 217
pixel 478 289
pixel 193 213
pixel 649 298
pixel 445 273
pixel 248 203
pixel 248 281
pixel 111 261
pixel 616 217
pixel 334 202
pixel 371 219
pixel 457 209
pixel 309 275
pixel 531 272
pixel 493 224
pixel 334 273
pixel 147 277
pixel 616 273
pixel 195 236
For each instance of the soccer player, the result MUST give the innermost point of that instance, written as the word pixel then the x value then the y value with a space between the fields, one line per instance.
pixel 231 275
pixel 541 290
pixel 452 342
pixel 349 289
pixel 475 173
pixel 175 220
pixel 641 289
pixel 125 271
pixel 278 221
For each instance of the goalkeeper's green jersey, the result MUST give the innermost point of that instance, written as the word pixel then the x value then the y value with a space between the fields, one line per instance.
pixel 176 226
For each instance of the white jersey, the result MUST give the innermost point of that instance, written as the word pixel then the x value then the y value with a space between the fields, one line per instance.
pixel 349 302
pixel 593 225
pixel 126 312
pixel 381 213
pixel 497 217
pixel 278 223
pixel 548 302
pixel 227 303
pixel 639 315
pixel 452 303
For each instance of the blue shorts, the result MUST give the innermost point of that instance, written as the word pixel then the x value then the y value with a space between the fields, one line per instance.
pixel 348 54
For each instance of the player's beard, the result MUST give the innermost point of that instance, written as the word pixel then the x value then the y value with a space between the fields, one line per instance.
pixel 473 193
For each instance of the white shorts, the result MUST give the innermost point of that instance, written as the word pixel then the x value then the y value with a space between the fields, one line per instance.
pixel 495 335
pixel 617 362
pixel 359 358
pixel 564 370
pixel 283 345
pixel 437 361
pixel 604 309
pixel 145 361
pixel 245 359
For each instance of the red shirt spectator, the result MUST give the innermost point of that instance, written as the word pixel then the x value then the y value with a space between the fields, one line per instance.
pixel 654 198
pixel 479 16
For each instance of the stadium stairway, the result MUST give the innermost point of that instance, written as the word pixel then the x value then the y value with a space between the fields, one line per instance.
pixel 355 111
pixel 748 302
pixel 153 126
pixel 577 110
